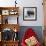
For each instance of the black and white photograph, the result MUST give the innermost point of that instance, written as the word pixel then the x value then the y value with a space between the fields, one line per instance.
pixel 29 13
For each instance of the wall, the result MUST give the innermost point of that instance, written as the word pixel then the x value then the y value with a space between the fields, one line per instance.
pixel 26 3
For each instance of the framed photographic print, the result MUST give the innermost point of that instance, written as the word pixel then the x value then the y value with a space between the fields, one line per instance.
pixel 7 34
pixel 13 20
pixel 10 20
pixel 30 13
pixel 5 12
pixel 13 12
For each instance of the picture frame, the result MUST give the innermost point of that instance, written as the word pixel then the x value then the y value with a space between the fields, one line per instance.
pixel 13 12
pixel 5 12
pixel 29 13
pixel 10 20
pixel 13 20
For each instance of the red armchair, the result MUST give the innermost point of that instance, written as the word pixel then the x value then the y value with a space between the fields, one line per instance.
pixel 29 36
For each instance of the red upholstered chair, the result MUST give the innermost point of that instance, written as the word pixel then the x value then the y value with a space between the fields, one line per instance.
pixel 28 34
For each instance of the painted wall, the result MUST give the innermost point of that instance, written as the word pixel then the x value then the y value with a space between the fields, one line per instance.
pixel 26 3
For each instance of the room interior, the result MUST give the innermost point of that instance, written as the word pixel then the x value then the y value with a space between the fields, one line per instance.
pixel 16 16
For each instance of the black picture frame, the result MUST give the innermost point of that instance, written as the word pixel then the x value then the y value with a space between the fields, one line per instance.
pixel 29 13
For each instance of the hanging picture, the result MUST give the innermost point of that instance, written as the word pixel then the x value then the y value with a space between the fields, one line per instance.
pixel 5 12
pixel 29 13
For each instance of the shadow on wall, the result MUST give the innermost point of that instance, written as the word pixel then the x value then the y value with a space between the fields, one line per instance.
pixel 37 29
